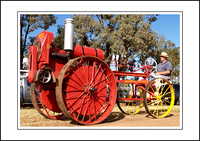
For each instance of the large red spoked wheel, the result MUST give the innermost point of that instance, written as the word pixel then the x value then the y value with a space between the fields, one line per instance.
pixel 86 90
pixel 44 102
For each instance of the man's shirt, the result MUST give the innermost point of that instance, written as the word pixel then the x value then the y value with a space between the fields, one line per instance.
pixel 164 67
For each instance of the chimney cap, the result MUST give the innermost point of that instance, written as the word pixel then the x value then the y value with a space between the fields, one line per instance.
pixel 69 21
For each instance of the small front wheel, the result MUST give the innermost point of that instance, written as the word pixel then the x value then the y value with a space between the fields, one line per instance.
pixel 159 97
pixel 44 101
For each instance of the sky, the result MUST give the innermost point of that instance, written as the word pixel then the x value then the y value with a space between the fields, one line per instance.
pixel 169 26
pixel 166 24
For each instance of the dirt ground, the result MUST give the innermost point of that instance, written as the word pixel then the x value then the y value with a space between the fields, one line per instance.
pixel 29 117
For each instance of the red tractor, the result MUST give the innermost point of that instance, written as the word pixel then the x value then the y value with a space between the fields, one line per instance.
pixel 70 83
pixel 76 83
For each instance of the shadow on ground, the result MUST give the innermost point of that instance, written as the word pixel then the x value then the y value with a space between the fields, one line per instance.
pixel 114 116
pixel 170 115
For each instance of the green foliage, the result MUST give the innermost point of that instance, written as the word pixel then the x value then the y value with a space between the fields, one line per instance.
pixel 128 36
pixel 59 39
pixel 29 23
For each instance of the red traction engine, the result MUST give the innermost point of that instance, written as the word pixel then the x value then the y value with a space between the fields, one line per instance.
pixel 73 83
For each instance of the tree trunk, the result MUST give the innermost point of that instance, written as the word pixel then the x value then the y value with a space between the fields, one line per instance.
pixel 23 45
pixel 21 42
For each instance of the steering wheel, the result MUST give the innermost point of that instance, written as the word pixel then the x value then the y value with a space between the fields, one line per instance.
pixel 152 62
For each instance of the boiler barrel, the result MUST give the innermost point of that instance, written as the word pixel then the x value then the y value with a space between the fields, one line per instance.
pixel 84 50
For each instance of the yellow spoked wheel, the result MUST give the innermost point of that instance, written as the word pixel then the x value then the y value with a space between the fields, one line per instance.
pixel 129 101
pixel 159 97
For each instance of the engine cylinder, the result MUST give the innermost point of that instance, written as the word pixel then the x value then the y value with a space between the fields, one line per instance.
pixel 69 34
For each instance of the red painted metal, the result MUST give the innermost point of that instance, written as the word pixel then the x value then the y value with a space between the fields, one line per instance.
pixel 117 73
pixel 138 82
pixel 32 63
pixel 46 39
pixel 48 97
pixel 80 51
pixel 40 56
pixel 135 83
pixel 130 99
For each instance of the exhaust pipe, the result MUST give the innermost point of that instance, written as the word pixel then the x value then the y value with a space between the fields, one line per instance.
pixel 69 34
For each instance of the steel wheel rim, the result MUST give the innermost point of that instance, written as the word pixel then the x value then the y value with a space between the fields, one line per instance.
pixel 152 62
pixel 82 90
pixel 43 109
pixel 159 98
pixel 129 107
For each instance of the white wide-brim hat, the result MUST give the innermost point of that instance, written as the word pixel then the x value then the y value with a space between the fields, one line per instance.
pixel 164 54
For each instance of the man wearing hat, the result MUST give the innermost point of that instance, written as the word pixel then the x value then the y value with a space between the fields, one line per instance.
pixel 164 68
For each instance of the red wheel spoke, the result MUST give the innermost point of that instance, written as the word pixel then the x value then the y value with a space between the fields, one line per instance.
pixel 42 104
pixel 85 110
pixel 75 81
pixel 47 111
pixel 94 108
pixel 101 98
pixel 102 81
pixel 102 95
pixel 38 96
pixel 90 111
pixel 39 99
pixel 76 99
pixel 95 74
pixel 78 77
pixel 99 112
pixel 72 95
pixel 101 76
pixel 102 88
pixel 73 91
pixel 94 65
pixel 88 69
pixel 81 106
pixel 83 68
pixel 99 101
pixel 71 86
pixel 71 98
